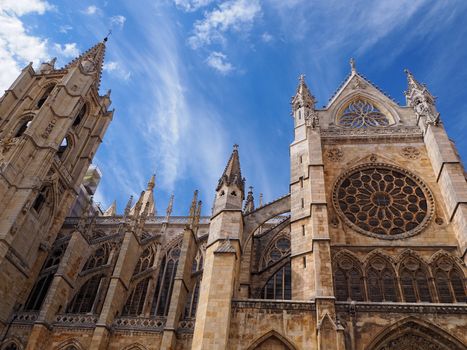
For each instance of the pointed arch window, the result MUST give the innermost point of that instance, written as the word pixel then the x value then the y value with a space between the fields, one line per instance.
pixel 381 281
pixel 99 258
pixel 44 96
pixel 79 117
pixel 145 261
pixel 348 280
pixel 135 302
pixel 277 250
pixel 84 300
pixel 279 286
pixel 41 199
pixel 64 145
pixel 23 127
pixel 165 281
pixel 361 113
pixel 449 281
pixel 414 281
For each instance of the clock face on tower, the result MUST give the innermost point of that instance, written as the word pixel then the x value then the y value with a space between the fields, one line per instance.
pixel 383 201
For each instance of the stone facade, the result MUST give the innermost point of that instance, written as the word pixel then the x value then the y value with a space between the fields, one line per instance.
pixel 367 251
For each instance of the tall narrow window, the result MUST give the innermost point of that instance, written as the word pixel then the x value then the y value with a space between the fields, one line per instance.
pixel 79 117
pixel 41 199
pixel 414 281
pixel 63 147
pixel 145 261
pixel 84 300
pixel 23 127
pixel 44 96
pixel 192 301
pixel 99 258
pixel 165 280
pixel 348 281
pixel 449 280
pixel 381 280
pixel 279 286
pixel 442 286
pixel 458 286
pixel 135 302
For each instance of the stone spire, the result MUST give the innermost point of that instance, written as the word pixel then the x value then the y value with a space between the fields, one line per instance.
pixel 303 97
pixel 250 202
pixel 232 174
pixel 420 99
pixel 353 68
pixel 169 209
pixel 112 210
pixel 147 198
pixel 128 206
pixel 91 61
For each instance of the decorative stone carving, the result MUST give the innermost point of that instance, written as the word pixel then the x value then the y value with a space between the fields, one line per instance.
pixel 49 128
pixel 358 84
pixel 410 152
pixel 362 114
pixel 334 154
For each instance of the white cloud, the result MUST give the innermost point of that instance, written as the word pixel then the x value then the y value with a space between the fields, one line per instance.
pixel 91 10
pixel 192 5
pixel 67 50
pixel 237 15
pixel 117 69
pixel 218 61
pixel 118 20
pixel 17 47
pixel 266 37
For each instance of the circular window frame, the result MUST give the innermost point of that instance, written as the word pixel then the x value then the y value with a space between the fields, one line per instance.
pixel 420 183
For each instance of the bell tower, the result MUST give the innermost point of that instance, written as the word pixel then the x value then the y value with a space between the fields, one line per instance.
pixel 51 123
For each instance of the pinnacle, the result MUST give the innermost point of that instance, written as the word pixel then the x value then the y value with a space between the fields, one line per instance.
pixel 94 57
pixel 232 173
pixel 152 182
pixel 303 96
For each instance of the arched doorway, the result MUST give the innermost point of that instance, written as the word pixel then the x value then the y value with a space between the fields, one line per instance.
pixel 414 334
pixel 271 341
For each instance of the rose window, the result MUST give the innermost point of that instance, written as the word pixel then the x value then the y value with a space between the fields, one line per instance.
pixel 383 201
pixel 362 114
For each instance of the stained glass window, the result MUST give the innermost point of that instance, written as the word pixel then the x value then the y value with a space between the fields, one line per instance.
pixel 362 114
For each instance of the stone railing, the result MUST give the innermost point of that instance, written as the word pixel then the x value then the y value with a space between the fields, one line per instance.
pixel 270 304
pixel 76 320
pixel 154 324
pixel 421 308
pixel 26 317
pixel 186 325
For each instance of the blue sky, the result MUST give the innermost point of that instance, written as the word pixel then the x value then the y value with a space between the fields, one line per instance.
pixel 190 78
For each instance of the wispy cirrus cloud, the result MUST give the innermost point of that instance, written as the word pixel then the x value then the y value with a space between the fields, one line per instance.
pixel 233 15
pixel 67 50
pixel 118 21
pixel 117 69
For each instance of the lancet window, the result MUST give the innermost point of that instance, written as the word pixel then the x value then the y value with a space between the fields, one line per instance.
pixel 361 113
pixel 135 302
pixel 381 281
pixel 279 286
pixel 39 291
pixel 192 300
pixel 44 96
pixel 79 117
pixel 85 300
pixel 23 127
pixel 165 281
pixel 41 199
pixel 146 260
pixel 348 279
pixel 99 258
pixel 449 281
pixel 414 281
pixel 63 147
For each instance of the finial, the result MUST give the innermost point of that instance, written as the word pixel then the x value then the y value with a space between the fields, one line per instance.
pixel 169 207
pixel 152 182
pixel 235 147
pixel 301 78
pixel 260 199
pixel 128 206
pixel 352 65
pixel 250 189
pixel 107 36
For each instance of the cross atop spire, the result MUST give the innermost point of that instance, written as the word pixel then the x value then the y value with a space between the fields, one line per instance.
pixel 232 173
pixel 303 97
pixel 353 69
pixel 152 182
pixel 92 61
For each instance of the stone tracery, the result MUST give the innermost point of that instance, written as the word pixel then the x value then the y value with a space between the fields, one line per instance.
pixel 362 114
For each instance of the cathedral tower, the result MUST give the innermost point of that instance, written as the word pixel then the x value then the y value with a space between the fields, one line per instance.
pixel 51 124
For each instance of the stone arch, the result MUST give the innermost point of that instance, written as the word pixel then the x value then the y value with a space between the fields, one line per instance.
pixel 414 278
pixel 381 277
pixel 378 102
pixel 415 332
pixel 274 338
pixel 70 344
pixel 12 343
pixel 348 276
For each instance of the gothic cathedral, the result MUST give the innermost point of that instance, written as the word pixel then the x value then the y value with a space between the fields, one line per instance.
pixel 366 252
